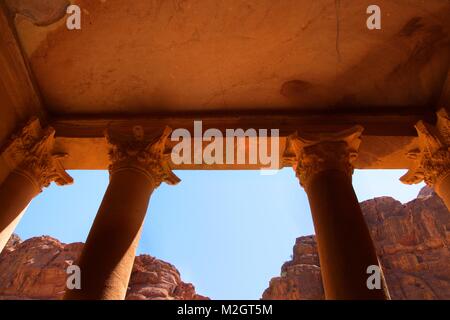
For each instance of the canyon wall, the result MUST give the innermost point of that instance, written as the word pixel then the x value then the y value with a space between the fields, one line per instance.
pixel 412 241
pixel 36 269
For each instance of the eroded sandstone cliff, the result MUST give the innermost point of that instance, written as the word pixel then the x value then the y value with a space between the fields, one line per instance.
pixel 36 269
pixel 412 241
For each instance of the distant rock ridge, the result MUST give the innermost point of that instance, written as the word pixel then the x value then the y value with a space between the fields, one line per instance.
pixel 36 269
pixel 412 241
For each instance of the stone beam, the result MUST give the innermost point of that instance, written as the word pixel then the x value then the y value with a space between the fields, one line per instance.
pixel 385 143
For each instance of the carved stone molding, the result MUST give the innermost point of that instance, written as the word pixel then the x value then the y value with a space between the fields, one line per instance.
pixel 324 151
pixel 147 154
pixel 30 153
pixel 432 158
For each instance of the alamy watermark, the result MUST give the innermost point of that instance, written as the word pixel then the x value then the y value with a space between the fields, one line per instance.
pixel 235 147
pixel 73 281
pixel 73 21
pixel 374 280
pixel 374 20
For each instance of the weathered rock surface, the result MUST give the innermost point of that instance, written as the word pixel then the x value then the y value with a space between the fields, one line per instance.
pixel 41 12
pixel 153 279
pixel 13 241
pixel 36 269
pixel 412 241
pixel 300 278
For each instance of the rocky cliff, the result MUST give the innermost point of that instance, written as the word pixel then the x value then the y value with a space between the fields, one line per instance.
pixel 36 269
pixel 412 241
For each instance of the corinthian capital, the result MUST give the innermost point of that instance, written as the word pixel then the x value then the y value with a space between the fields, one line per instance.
pixel 143 153
pixel 431 161
pixel 30 152
pixel 324 151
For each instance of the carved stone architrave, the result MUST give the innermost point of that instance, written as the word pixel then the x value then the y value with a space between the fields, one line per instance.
pixel 324 151
pixel 431 161
pixel 30 152
pixel 146 154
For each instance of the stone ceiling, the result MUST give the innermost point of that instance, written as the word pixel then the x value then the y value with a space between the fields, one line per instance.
pixel 236 56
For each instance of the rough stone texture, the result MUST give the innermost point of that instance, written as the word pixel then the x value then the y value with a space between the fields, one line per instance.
pixel 40 12
pixel 153 279
pixel 35 269
pixel 255 55
pixel 300 277
pixel 412 241
pixel 12 242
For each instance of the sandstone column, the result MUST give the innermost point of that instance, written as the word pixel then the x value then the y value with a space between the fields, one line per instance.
pixel 137 167
pixel 323 164
pixel 431 160
pixel 34 166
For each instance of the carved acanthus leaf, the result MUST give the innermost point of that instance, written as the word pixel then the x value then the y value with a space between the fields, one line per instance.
pixel 325 151
pixel 31 152
pixel 146 154
pixel 432 160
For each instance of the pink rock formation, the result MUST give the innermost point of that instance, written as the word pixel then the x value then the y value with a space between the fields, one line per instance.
pixel 300 278
pixel 412 241
pixel 153 279
pixel 36 269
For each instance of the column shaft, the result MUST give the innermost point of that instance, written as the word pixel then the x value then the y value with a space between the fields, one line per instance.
pixel 30 155
pixel 344 242
pixel 107 259
pixel 324 166
pixel 16 192
pixel 137 166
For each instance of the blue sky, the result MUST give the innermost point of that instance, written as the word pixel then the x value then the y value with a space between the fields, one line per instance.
pixel 227 232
